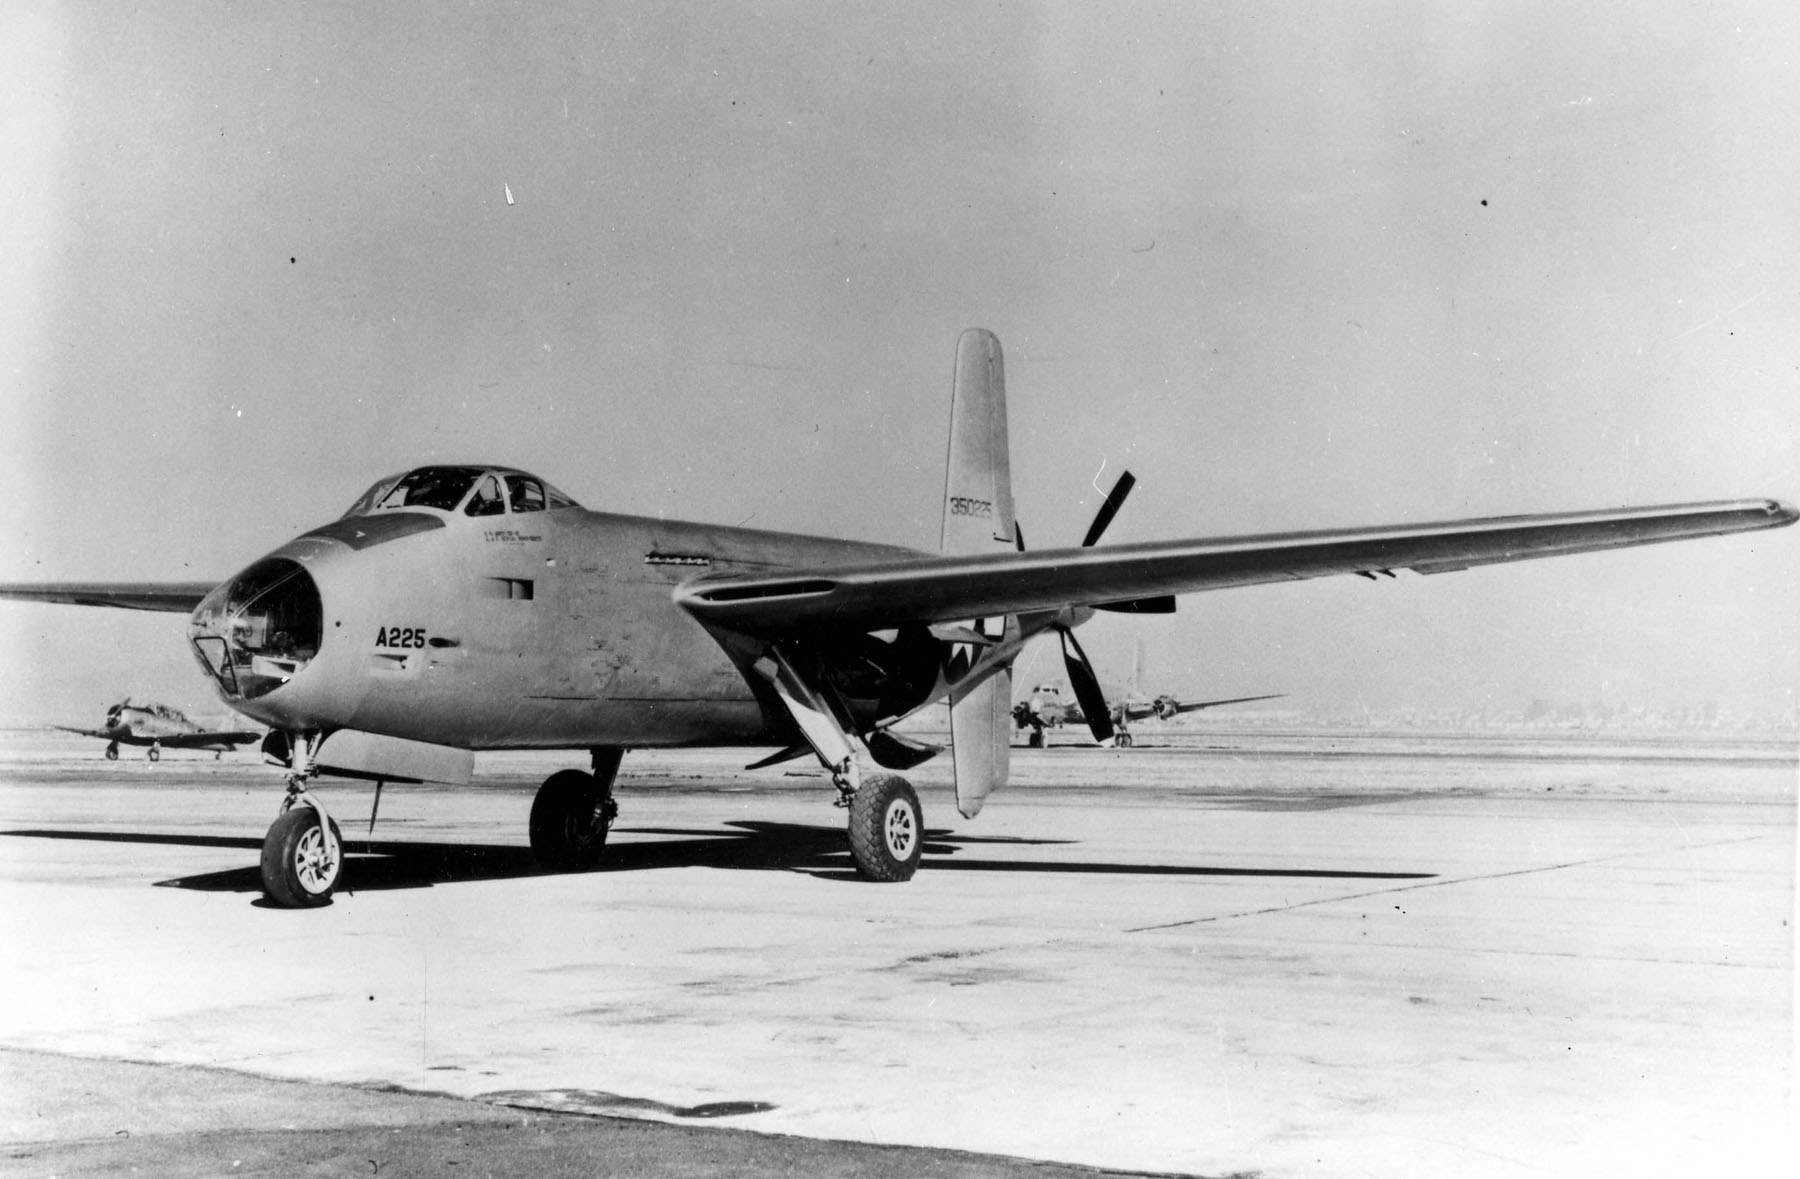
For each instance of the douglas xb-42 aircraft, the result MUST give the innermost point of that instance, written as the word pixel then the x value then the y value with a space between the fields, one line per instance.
pixel 160 727
pixel 463 608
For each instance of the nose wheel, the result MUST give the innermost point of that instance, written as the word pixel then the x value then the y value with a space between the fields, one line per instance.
pixel 300 864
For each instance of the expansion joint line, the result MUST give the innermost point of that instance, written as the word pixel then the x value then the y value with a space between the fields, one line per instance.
pixel 1378 892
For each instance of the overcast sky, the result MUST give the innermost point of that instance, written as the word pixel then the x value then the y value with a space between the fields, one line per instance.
pixel 1296 266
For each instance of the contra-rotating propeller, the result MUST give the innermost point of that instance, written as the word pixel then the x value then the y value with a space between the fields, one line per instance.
pixel 1082 679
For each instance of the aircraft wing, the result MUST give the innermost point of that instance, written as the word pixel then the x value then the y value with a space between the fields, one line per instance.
pixel 1146 711
pixel 190 740
pixel 933 589
pixel 176 597
pixel 100 733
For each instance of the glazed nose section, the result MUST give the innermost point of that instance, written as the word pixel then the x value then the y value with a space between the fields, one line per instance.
pixel 260 629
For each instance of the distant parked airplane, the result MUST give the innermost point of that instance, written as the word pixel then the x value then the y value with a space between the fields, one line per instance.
pixel 1046 709
pixel 160 727
pixel 1139 704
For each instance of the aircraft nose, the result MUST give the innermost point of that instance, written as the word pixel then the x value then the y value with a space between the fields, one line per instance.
pixel 260 629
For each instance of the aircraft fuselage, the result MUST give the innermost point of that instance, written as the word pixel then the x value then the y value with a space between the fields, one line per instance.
pixel 547 629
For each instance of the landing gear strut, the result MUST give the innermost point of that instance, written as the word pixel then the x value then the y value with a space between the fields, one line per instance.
pixel 573 812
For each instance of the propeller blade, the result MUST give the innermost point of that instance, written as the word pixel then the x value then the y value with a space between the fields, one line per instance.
pixel 1109 509
pixel 1087 687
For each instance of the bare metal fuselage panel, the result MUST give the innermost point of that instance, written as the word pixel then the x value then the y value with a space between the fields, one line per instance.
pixel 554 629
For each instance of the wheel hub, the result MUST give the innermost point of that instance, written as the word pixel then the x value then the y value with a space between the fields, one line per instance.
pixel 899 829
pixel 313 866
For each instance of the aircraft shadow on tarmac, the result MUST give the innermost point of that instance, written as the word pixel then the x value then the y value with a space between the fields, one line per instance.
pixel 821 851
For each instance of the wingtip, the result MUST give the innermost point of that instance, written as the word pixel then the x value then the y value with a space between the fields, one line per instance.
pixel 1782 512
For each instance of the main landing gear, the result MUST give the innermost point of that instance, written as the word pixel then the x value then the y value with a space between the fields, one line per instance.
pixel 573 812
pixel 112 751
pixel 887 828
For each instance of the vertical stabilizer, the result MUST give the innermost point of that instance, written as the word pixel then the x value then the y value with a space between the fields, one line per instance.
pixel 978 504
pixel 978 518
pixel 981 741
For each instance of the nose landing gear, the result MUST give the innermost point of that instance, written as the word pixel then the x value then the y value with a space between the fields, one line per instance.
pixel 303 853
pixel 300 861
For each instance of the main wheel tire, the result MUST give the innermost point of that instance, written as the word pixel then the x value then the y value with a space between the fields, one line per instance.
pixel 1124 741
pixel 296 871
pixel 112 752
pixel 887 829
pixel 156 753
pixel 568 822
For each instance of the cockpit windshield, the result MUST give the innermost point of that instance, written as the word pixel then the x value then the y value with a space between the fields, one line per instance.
pixel 488 492
pixel 430 487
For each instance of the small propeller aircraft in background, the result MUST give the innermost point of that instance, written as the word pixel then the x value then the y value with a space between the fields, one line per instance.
pixel 160 727
pixel 462 608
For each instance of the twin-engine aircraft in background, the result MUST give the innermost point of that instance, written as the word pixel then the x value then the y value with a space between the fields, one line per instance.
pixel 463 608
pixel 1045 709
pixel 160 727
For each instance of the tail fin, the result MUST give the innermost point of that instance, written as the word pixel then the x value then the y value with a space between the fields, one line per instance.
pixel 978 518
pixel 978 503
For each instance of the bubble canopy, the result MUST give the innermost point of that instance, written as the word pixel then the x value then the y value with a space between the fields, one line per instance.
pixel 468 490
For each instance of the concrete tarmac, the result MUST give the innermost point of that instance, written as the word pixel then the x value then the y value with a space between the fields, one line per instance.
pixel 1240 952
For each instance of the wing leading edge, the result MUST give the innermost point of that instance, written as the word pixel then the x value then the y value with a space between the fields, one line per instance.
pixel 172 597
pixel 932 589
pixel 227 737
